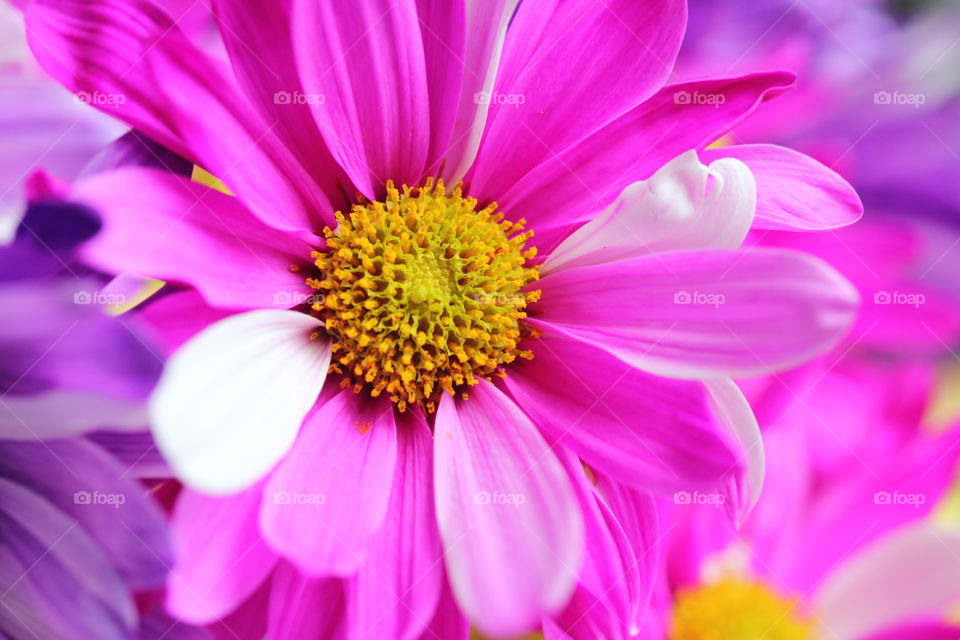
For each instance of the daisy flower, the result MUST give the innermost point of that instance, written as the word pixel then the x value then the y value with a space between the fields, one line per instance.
pixel 468 246
pixel 842 544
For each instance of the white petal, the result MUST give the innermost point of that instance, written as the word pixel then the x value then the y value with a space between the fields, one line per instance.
pixel 913 573
pixel 231 400
pixel 685 205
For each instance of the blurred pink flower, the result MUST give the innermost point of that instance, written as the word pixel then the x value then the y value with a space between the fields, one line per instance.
pixel 643 307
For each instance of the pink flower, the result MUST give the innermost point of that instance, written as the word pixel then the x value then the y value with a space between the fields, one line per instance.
pixel 478 375
pixel 845 542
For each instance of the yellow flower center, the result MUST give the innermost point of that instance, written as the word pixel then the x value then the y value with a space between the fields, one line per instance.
pixel 423 294
pixel 733 609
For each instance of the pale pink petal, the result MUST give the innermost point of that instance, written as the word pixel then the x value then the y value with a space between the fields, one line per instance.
pixel 794 191
pixel 565 189
pixel 686 205
pixel 395 592
pixel 221 556
pixel 912 573
pixel 164 226
pixel 919 631
pixel 649 432
pixel 736 416
pixel 129 59
pixel 366 59
pixel 705 313
pixel 587 52
pixel 486 29
pixel 511 528
pixel 230 402
pixel 328 498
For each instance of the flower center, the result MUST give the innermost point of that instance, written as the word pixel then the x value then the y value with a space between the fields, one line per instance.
pixel 733 609
pixel 422 293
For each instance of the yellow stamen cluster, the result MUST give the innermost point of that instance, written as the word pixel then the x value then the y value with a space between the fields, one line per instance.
pixel 423 294
pixel 734 609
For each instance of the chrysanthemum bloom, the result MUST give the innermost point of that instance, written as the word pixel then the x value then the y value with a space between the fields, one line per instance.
pixel 425 349
pixel 842 544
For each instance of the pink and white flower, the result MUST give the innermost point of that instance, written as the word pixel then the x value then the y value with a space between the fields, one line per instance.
pixel 615 348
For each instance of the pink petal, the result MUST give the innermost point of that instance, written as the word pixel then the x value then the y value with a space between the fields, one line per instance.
pixel 588 52
pixel 649 432
pixel 395 593
pixel 794 191
pixel 135 64
pixel 258 38
pixel 366 59
pixel 746 482
pixel 471 74
pixel 637 514
pixel 686 205
pixel 512 532
pixel 329 496
pixel 448 621
pixel 221 556
pixel 706 313
pixel 607 598
pixel 304 607
pixel 919 631
pixel 164 226
pixel 565 189
pixel 173 319
pixel 868 592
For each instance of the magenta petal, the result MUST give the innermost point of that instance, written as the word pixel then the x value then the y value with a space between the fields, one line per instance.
pixel 700 314
pixel 511 527
pixel 448 621
pixel 366 59
pixel 395 593
pixel 303 607
pixel 608 595
pixel 471 73
pixel 794 191
pixel 329 496
pixel 568 187
pixel 164 226
pixel 258 38
pixel 221 556
pixel 601 60
pixel 142 69
pixel 647 431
